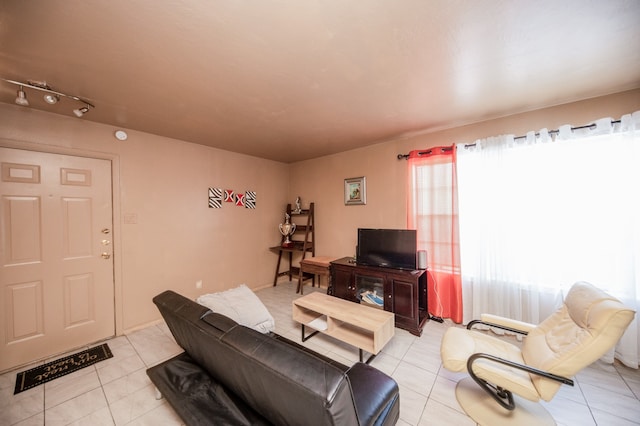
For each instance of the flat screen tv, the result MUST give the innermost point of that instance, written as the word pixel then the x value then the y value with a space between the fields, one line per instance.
pixel 387 248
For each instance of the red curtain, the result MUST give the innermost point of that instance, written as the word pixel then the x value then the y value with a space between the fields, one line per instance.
pixel 433 212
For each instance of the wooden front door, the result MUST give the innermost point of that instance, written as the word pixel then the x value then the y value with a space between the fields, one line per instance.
pixel 56 254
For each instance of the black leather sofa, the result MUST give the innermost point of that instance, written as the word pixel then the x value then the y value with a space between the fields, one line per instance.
pixel 229 374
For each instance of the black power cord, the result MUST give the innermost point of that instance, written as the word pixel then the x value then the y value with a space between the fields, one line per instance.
pixel 436 319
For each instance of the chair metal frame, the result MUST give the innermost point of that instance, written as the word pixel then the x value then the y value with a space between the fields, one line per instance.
pixel 503 396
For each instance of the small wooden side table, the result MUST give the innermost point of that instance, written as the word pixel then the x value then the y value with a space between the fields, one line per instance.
pixel 318 265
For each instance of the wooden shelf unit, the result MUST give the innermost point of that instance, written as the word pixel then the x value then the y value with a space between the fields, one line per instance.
pixel 303 242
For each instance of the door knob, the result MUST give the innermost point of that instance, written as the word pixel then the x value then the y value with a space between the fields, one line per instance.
pixel 106 242
pixel 106 230
pixel 106 255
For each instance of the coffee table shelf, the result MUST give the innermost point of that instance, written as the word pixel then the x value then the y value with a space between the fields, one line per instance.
pixel 364 327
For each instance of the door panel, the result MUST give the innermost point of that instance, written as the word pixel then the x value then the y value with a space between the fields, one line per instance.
pixel 342 284
pixel 22 222
pixel 24 311
pixel 404 301
pixel 76 227
pixel 78 296
pixel 56 288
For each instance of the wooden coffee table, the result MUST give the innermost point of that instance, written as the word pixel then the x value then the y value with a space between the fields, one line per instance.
pixel 366 328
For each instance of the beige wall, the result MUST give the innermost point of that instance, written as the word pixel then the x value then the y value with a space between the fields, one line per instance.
pixel 322 180
pixel 179 240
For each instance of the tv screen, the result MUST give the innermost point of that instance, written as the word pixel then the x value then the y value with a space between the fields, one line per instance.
pixel 388 248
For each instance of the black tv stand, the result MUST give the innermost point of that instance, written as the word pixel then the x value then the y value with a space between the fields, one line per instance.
pixel 404 292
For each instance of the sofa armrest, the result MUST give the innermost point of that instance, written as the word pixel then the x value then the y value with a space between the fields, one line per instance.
pixel 508 322
pixel 504 323
pixel 376 395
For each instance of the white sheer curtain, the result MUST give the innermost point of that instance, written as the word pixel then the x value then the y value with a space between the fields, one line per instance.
pixel 537 215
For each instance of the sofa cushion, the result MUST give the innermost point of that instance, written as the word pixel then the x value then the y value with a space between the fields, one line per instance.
pixel 197 397
pixel 284 384
pixel 241 305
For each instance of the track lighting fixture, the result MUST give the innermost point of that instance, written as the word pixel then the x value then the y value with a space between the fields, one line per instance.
pixel 51 96
pixel 51 99
pixel 21 98
pixel 79 112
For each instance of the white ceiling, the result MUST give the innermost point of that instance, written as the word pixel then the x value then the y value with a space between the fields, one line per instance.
pixel 295 79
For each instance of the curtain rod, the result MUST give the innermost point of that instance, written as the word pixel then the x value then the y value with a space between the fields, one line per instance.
pixel 588 126
pixel 427 152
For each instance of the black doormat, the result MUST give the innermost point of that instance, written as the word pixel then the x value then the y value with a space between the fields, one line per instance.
pixel 61 367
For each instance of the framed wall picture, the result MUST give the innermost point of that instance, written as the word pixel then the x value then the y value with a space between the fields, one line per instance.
pixel 355 191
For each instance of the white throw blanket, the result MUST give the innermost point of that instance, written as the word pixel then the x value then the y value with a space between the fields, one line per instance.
pixel 241 305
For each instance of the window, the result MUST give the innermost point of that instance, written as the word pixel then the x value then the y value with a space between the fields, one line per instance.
pixel 538 215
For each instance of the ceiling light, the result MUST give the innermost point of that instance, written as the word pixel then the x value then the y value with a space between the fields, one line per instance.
pixel 121 135
pixel 21 98
pixel 51 96
pixel 81 111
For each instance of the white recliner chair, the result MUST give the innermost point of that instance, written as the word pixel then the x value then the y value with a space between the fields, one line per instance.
pixel 510 380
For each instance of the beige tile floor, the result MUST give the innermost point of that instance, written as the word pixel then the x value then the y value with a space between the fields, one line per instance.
pixel 118 392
